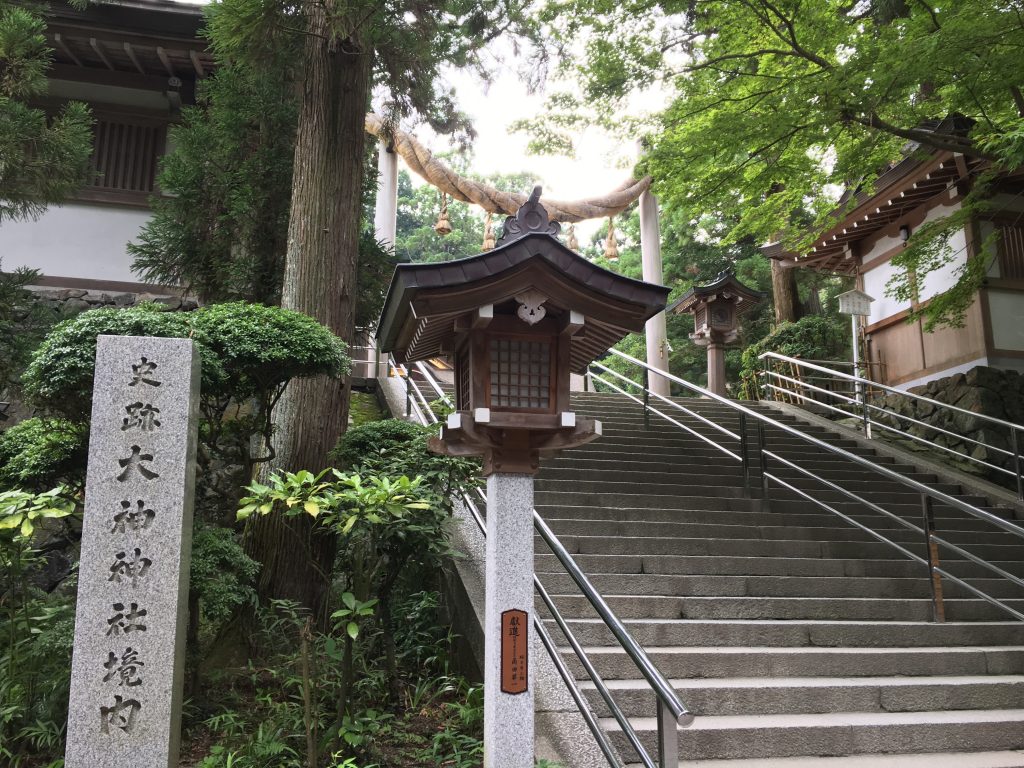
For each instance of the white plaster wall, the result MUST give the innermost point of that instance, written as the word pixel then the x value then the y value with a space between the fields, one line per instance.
pixel 881 246
pixel 877 278
pixel 75 240
pixel 1006 308
pixel 945 278
pixel 883 306
pixel 985 229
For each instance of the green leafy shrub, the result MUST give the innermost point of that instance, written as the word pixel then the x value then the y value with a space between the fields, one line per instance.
pixel 43 453
pixel 222 575
pixel 395 447
pixel 36 631
pixel 261 348
pixel 23 323
pixel 815 337
pixel 59 378
pixel 248 354
pixel 246 350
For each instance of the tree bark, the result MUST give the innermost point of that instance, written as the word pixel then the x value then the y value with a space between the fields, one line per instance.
pixel 787 300
pixel 320 281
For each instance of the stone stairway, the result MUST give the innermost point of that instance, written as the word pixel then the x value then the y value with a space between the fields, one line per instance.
pixel 793 636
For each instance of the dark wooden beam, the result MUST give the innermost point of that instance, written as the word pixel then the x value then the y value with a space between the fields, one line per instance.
pixel 98 48
pixel 121 79
pixel 197 63
pixel 62 44
pixel 68 32
pixel 162 55
pixel 130 51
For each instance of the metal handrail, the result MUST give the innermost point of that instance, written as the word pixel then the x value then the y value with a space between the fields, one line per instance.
pixel 867 406
pixel 927 494
pixel 862 386
pixel 670 710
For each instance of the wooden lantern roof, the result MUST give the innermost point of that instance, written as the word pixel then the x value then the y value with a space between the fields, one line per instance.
pixel 725 285
pixel 429 304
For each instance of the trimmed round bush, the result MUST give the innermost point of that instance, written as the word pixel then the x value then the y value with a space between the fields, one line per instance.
pixel 39 454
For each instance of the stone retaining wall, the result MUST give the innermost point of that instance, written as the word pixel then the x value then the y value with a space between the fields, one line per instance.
pixel 68 302
pixel 984 391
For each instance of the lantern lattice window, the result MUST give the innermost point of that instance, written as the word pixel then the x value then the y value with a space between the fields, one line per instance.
pixel 462 390
pixel 520 374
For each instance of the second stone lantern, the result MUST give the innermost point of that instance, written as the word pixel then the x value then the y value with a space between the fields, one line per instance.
pixel 716 309
pixel 516 320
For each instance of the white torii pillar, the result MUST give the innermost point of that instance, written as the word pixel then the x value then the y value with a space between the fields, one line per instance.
pixel 655 331
pixel 385 215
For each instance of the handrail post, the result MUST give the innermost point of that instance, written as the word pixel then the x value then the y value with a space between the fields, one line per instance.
pixel 762 459
pixel 408 392
pixel 862 397
pixel 1016 462
pixel 744 454
pixel 934 578
pixel 668 738
pixel 647 398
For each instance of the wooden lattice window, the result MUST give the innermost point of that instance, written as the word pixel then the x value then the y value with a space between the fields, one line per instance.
pixel 1011 252
pixel 124 155
pixel 520 374
pixel 462 390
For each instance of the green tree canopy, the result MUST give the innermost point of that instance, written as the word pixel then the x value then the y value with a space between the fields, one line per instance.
pixel 43 158
pixel 221 231
pixel 778 104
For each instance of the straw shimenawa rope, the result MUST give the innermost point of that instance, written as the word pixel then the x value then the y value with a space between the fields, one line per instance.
pixel 422 161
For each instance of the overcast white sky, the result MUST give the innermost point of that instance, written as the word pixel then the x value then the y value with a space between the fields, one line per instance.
pixel 601 162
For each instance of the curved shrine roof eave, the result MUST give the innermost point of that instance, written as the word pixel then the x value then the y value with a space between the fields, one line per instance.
pixel 917 180
pixel 501 266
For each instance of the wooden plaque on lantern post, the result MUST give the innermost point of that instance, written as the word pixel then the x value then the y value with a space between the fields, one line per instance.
pixel 517 321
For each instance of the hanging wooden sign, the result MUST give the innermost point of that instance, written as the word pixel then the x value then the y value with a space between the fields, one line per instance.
pixel 514 651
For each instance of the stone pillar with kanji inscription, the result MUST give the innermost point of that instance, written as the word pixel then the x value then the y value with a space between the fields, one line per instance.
pixel 127 668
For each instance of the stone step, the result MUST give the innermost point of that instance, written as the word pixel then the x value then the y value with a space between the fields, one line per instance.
pixel 662 428
pixel 731 565
pixel 841 733
pixel 767 662
pixel 628 462
pixel 777 497
pixel 853 479
pixel 810 695
pixel 881 491
pixel 822 634
pixel 819 532
pixel 685 442
pixel 998 759
pixel 674 585
pixel 690 455
pixel 758 547
pixel 811 519
pixel 627 606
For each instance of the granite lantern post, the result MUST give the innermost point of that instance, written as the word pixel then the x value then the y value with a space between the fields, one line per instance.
pixel 716 309
pixel 517 320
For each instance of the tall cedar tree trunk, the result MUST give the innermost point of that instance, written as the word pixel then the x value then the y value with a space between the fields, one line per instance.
pixel 787 300
pixel 320 281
